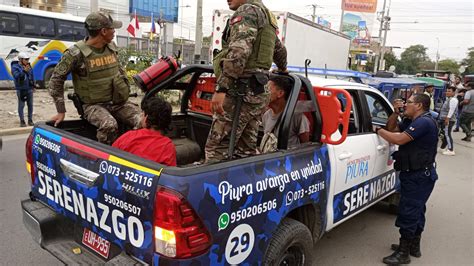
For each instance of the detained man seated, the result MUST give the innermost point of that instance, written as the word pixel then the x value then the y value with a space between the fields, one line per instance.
pixel 280 89
pixel 149 142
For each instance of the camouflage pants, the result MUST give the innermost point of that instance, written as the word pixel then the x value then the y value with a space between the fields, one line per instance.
pixel 250 118
pixel 106 117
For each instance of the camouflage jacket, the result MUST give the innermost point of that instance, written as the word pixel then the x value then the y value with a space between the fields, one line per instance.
pixel 71 61
pixel 244 26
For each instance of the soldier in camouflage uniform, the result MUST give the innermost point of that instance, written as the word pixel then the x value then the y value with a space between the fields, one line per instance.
pixel 249 45
pixel 99 81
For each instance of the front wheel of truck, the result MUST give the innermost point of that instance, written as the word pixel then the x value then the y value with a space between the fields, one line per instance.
pixel 292 244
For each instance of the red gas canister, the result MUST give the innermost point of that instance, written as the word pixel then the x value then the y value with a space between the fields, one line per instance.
pixel 156 73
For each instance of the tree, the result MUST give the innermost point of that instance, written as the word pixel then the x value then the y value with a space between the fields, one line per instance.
pixel 390 60
pixel 412 59
pixel 469 61
pixel 207 40
pixel 449 65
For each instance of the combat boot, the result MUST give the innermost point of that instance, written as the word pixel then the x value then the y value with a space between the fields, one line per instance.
pixel 401 255
pixel 415 249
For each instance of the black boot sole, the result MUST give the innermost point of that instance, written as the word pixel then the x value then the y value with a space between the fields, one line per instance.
pixel 416 255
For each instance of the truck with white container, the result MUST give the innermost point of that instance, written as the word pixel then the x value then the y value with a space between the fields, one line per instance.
pixel 304 39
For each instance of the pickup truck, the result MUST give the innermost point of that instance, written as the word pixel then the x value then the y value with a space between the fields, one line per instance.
pixel 91 203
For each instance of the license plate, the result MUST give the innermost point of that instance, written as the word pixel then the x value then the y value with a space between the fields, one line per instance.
pixel 96 243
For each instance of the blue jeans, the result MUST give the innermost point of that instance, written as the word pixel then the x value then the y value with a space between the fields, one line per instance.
pixel 447 140
pixel 458 118
pixel 416 188
pixel 21 105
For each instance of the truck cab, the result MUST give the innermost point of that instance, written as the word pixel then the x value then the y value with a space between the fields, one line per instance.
pixel 92 203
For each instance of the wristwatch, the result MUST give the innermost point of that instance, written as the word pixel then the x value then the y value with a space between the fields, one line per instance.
pixel 377 130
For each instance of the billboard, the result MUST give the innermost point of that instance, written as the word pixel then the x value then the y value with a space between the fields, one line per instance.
pixel 324 22
pixel 366 6
pixel 357 29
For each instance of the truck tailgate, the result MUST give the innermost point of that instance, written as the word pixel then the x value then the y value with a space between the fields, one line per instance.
pixel 108 199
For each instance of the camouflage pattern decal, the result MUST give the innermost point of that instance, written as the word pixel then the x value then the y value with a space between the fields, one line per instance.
pixel 249 201
pixel 118 205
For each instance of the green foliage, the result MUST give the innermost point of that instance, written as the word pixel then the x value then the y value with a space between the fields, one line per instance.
pixel 414 59
pixel 390 60
pixel 135 62
pixel 449 65
pixel 469 61
pixel 207 40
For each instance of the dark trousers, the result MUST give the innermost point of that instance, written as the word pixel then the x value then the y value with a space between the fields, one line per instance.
pixel 458 117
pixel 416 188
pixel 21 104
pixel 466 119
pixel 447 140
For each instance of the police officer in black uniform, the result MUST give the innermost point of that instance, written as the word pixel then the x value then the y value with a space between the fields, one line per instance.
pixel 417 136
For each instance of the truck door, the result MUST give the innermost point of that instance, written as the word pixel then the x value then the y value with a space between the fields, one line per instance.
pixel 353 164
pixel 380 110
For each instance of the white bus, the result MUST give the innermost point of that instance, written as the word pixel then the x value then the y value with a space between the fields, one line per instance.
pixel 43 35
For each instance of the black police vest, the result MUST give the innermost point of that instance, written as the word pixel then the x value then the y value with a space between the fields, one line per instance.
pixel 412 157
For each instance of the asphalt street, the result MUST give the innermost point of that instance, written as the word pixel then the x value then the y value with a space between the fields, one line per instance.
pixel 363 240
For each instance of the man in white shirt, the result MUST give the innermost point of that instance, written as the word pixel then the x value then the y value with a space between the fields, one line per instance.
pixel 280 89
pixel 447 120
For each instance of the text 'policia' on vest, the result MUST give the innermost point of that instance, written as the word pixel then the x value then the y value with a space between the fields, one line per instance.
pixel 103 83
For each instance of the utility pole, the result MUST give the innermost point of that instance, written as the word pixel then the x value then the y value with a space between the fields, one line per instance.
pixel 160 39
pixel 313 16
pixel 94 5
pixel 182 38
pixel 437 55
pixel 386 28
pixel 198 42
pixel 376 65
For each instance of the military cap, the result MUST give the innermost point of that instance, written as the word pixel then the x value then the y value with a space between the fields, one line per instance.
pixel 100 20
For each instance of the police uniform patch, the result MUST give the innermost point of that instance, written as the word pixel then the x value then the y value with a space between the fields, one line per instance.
pixel 235 20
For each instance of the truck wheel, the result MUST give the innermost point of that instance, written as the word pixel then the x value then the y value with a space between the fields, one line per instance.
pixel 292 244
pixel 47 76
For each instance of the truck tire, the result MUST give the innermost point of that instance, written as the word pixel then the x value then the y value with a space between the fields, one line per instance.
pixel 292 244
pixel 48 73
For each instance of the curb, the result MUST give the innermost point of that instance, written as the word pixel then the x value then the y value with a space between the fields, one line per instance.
pixel 15 131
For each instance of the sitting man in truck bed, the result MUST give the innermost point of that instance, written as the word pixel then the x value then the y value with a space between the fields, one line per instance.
pixel 149 142
pixel 280 89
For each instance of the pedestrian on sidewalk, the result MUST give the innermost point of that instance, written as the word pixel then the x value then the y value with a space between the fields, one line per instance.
pixel 429 88
pixel 24 86
pixel 458 84
pixel 460 96
pixel 467 112
pixel 417 137
pixel 447 119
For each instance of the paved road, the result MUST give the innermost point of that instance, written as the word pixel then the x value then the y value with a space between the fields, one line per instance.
pixel 16 245
pixel 363 240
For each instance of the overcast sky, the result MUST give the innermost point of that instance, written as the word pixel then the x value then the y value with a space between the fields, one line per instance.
pixel 413 21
